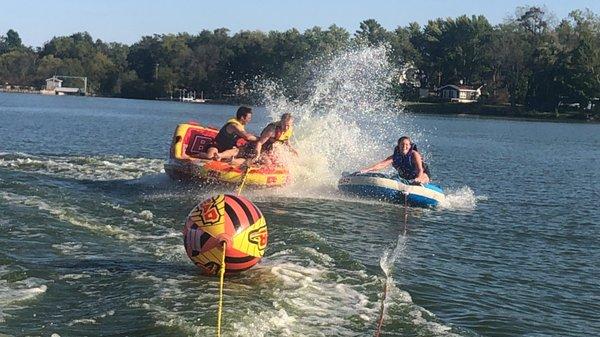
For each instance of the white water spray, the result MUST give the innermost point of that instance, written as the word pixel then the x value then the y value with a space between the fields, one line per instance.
pixel 348 119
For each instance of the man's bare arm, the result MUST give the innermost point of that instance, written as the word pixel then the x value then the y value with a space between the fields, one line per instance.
pixel 264 137
pixel 242 133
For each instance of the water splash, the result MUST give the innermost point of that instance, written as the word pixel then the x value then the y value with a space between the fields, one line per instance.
pixel 386 263
pixel 390 255
pixel 347 119
pixel 462 198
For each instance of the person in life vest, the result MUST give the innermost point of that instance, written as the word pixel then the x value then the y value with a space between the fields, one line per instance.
pixel 274 133
pixel 224 145
pixel 406 160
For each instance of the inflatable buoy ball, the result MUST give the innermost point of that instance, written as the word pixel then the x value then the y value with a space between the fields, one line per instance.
pixel 233 219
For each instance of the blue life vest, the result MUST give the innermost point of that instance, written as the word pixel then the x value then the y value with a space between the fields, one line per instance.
pixel 404 163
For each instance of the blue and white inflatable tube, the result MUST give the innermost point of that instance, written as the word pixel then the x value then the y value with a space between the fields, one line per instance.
pixel 390 188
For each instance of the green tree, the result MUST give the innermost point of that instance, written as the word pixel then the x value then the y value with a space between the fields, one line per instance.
pixel 543 90
pixel 206 63
pixel 509 53
pixel 372 33
pixel 403 50
pixel 10 42
pixel 580 66
pixel 47 67
pixel 452 50
pixel 17 67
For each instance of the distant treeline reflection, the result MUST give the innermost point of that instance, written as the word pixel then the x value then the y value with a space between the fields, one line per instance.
pixel 528 60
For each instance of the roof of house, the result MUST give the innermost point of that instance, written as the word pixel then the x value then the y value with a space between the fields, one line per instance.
pixel 54 79
pixel 458 87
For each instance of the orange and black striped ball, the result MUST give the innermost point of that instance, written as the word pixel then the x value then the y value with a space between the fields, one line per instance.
pixel 229 218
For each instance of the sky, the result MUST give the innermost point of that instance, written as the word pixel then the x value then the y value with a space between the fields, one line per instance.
pixel 126 21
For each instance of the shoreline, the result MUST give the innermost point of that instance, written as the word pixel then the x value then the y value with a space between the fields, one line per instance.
pixel 474 110
pixel 498 111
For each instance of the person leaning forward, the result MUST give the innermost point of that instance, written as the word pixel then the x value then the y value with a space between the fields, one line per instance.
pixel 406 160
pixel 278 132
pixel 224 145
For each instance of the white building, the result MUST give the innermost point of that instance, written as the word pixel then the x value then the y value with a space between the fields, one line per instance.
pixel 459 93
pixel 53 83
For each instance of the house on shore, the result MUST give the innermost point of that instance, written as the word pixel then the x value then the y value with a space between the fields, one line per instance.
pixel 459 93
pixel 53 83
pixel 54 86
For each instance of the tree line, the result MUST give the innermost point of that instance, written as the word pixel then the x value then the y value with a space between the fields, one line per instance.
pixel 529 59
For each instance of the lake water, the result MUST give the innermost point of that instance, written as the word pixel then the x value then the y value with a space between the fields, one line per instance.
pixel 91 240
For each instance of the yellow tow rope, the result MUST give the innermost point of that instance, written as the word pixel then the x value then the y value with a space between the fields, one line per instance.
pixel 248 168
pixel 222 271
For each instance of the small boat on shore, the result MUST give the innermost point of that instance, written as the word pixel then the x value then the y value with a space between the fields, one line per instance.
pixel 191 139
pixel 390 188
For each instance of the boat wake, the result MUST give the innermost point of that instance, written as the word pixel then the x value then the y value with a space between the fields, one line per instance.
pixel 97 168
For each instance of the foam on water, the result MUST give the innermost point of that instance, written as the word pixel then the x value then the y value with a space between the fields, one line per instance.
pixel 73 276
pixel 68 248
pixel 398 299
pixel 130 228
pixel 14 295
pixel 100 168
pixel 462 198
pixel 145 217
pixel 318 297
pixel 68 213
pixel 170 293
pixel 292 298
pixel 91 320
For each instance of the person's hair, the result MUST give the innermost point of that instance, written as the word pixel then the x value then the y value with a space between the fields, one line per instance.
pixel 413 146
pixel 286 116
pixel 403 138
pixel 243 111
